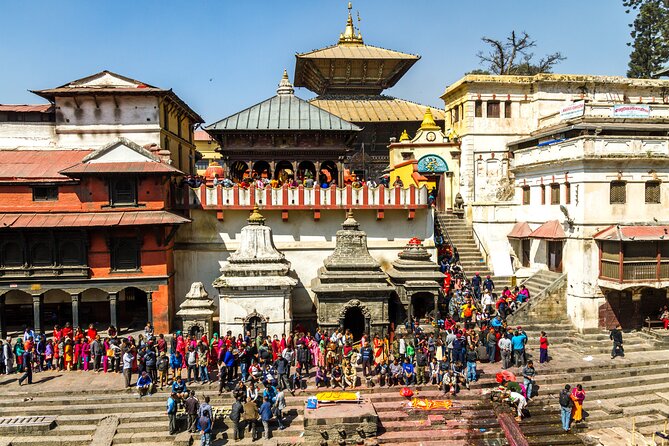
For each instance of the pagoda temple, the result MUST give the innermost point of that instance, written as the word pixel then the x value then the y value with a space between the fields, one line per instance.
pixel 284 139
pixel 349 79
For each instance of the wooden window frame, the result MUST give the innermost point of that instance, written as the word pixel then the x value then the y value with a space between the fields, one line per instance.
pixel 45 193
pixel 491 106
pixel 555 193
pixel 526 194
pixel 617 200
pixel 655 184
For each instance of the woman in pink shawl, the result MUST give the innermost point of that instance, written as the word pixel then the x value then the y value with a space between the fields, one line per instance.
pixel 181 348
pixel 105 358
pixel 315 351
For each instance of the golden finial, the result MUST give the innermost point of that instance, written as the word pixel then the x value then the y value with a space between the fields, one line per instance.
pixel 256 217
pixel 428 121
pixel 404 136
pixel 285 87
pixel 349 36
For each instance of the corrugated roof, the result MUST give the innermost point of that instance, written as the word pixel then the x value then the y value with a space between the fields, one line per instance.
pixel 520 230
pixel 349 51
pixel 90 219
pixel 32 165
pixel 284 112
pixel 201 135
pixel 551 230
pixel 375 109
pixel 634 233
pixel 26 108
pixel 148 167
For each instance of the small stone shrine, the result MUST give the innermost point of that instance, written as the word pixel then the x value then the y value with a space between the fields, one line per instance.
pixel 197 311
pixel 352 291
pixel 255 286
pixel 417 280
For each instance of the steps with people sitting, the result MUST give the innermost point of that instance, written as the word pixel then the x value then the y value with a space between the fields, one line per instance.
pixel 548 300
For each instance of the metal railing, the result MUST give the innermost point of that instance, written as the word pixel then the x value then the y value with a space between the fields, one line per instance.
pixel 480 245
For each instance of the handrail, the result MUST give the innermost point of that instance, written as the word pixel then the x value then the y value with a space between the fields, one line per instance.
pixel 481 245
pixel 450 242
pixel 546 291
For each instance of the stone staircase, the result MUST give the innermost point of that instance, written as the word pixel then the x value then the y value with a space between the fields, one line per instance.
pixel 462 237
pixel 548 300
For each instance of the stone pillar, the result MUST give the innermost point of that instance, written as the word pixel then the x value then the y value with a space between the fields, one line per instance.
pixel 37 312
pixel 410 307
pixel 3 323
pixel 113 314
pixel 436 305
pixel 75 309
pixel 149 305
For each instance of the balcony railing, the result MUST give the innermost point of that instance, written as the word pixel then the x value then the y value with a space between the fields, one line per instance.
pixel 316 198
pixel 634 271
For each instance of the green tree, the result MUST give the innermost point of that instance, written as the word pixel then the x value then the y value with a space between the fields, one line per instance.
pixel 512 56
pixel 650 34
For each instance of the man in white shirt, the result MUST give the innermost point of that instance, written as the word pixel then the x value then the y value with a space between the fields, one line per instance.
pixel 504 345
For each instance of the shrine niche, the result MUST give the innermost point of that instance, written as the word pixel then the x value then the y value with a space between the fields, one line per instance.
pixel 352 291
pixel 197 311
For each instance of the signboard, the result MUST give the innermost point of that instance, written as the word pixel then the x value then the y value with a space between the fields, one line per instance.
pixel 432 164
pixel 574 110
pixel 631 111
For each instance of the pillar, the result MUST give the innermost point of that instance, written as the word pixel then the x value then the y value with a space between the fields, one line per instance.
pixel 37 312
pixel 149 306
pixel 75 309
pixel 3 327
pixel 410 307
pixel 436 305
pixel 113 314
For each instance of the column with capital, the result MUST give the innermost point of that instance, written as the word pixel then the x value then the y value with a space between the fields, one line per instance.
pixel 37 313
pixel 75 309
pixel 149 306
pixel 113 299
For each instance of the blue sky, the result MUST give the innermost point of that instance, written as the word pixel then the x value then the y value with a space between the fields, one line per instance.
pixel 222 56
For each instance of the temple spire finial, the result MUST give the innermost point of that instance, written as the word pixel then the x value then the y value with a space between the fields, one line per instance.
pixel 428 121
pixel 256 218
pixel 285 87
pixel 349 36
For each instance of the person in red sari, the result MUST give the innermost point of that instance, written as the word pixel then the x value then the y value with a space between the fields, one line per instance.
pixel 67 331
pixel 379 350
pixel 91 333
pixel 276 348
pixel 577 396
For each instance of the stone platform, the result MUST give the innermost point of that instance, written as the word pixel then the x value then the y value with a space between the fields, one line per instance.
pixel 329 420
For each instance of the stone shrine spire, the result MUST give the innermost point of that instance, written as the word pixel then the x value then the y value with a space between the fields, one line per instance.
pixel 285 87
pixel 349 36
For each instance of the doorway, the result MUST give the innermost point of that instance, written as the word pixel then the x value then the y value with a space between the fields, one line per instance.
pixel 256 326
pixel 525 252
pixel 555 256
pixel 422 305
pixel 354 320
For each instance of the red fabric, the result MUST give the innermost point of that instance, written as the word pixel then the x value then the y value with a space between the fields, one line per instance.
pixel 505 375
pixel 406 392
pixel 543 342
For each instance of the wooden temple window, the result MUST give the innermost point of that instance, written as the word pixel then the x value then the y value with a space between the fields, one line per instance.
pixel 567 193
pixel 71 253
pixel 125 254
pixel 542 188
pixel 507 109
pixel 618 192
pixel 555 193
pixel 493 109
pixel 652 191
pixel 12 254
pixel 526 194
pixel 478 109
pixel 123 192
pixel 45 193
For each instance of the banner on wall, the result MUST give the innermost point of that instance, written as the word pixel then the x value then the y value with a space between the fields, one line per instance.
pixel 631 111
pixel 574 110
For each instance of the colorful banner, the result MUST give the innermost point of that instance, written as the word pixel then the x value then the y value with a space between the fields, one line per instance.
pixel 631 111
pixel 574 110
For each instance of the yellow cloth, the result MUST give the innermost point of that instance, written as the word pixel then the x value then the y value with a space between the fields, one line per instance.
pixel 577 411
pixel 337 396
pixel 426 404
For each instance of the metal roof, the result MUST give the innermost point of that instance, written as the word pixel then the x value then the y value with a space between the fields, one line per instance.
pixel 284 112
pixel 520 230
pixel 376 108
pixel 25 108
pixel 633 233
pixel 348 51
pixel 149 167
pixel 551 230
pixel 33 165
pixel 89 219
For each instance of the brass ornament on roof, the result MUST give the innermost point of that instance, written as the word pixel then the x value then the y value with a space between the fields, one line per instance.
pixel 256 218
pixel 428 121
pixel 349 36
pixel 404 136
pixel 285 87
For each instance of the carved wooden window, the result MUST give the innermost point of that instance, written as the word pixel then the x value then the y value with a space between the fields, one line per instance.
pixel 526 194
pixel 71 253
pixel 123 192
pixel 456 113
pixel 652 190
pixel 125 254
pixel 507 109
pixel 12 254
pixel 543 194
pixel 41 254
pixel 618 192
pixel 493 109
pixel 567 193
pixel 478 109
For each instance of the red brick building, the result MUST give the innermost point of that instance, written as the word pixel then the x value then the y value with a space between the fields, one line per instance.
pixel 86 236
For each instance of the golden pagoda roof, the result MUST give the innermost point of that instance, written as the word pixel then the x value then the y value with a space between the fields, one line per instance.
pixel 375 109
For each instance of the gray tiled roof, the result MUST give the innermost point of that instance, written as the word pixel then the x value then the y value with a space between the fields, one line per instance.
pixel 283 112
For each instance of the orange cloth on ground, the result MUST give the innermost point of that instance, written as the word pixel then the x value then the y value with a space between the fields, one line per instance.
pixel 427 404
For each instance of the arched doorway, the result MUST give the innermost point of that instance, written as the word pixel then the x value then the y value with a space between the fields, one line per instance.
pixel 94 309
pixel 354 320
pixel 262 169
pixel 284 171
pixel 396 311
pixel 422 305
pixel 56 308
pixel 238 170
pixel 306 169
pixel 18 311
pixel 256 324
pixel 328 172
pixel 132 310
